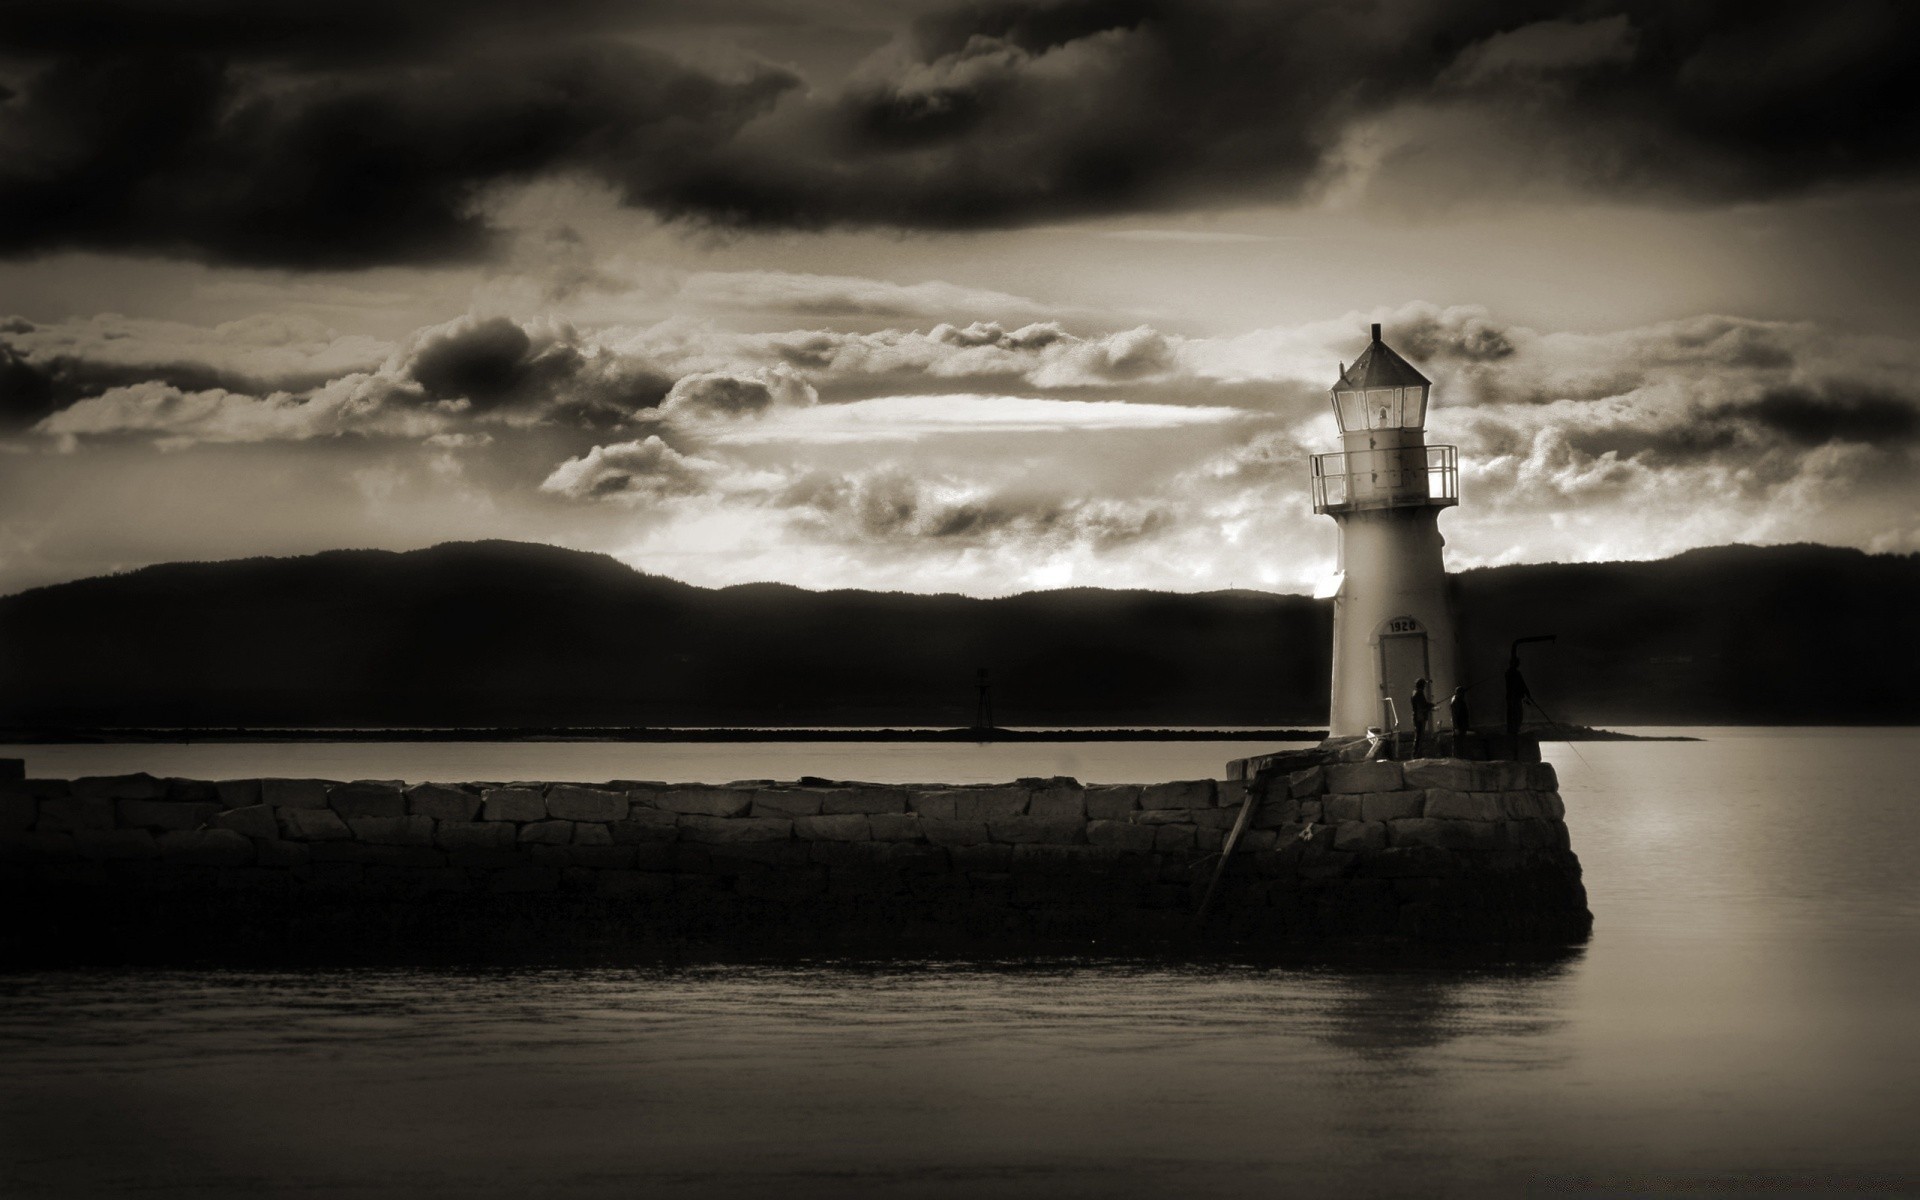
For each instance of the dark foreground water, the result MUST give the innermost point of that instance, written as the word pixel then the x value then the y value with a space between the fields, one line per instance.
pixel 1743 1021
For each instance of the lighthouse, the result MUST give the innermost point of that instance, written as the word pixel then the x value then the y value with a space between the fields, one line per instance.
pixel 1385 487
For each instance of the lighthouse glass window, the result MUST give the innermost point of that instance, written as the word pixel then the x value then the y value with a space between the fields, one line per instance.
pixel 1381 408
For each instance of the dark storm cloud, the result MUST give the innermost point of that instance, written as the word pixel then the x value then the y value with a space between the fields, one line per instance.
pixel 1839 412
pixel 364 132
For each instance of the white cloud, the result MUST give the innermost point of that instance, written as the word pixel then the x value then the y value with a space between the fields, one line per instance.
pixel 910 418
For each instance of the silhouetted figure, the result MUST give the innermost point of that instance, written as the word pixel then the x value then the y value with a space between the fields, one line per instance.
pixel 1457 709
pixel 1517 695
pixel 1422 705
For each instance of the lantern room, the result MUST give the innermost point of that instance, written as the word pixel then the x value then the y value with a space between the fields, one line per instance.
pixel 1380 391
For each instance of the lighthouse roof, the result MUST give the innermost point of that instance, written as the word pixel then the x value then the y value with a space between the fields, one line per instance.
pixel 1379 367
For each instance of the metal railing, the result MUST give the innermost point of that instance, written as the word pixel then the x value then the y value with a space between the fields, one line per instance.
pixel 1403 477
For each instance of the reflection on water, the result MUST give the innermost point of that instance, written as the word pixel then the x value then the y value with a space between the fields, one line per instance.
pixel 1742 1020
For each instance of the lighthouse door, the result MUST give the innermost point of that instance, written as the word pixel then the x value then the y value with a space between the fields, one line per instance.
pixel 1403 660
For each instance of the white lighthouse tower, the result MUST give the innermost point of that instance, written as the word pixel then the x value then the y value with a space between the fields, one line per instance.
pixel 1392 624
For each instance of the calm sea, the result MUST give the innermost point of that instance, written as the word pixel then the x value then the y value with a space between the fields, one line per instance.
pixel 1744 1020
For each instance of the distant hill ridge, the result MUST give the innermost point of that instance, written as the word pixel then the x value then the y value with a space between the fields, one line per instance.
pixel 509 633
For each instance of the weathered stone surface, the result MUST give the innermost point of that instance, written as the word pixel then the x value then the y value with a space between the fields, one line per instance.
pixel 593 833
pixel 392 831
pixel 699 802
pixel 237 793
pixel 1336 807
pixel 1123 835
pixel 986 804
pixel 1307 783
pixel 368 798
pixel 897 827
pixel 474 835
pixel 1429 831
pixel 72 813
pixel 1185 793
pixel 1392 806
pixel 1162 816
pixel 863 800
pixel 1369 776
pixel 1229 794
pixel 313 825
pixel 115 844
pixel 1453 774
pixel 845 827
pixel 166 814
pixel 727 831
pixel 1541 777
pixel 255 821
pixel 1276 810
pixel 954 833
pixel 546 833
pixel 1552 808
pixel 1465 806
pixel 1057 831
pixel 1360 836
pixel 646 825
pixel 207 847
pixel 787 802
pixel 442 802
pixel 512 804
pixel 1252 840
pixel 1173 838
pixel 1109 802
pixel 1058 804
pixel 572 803
pixel 120 787
pixel 294 793
pixel 18 813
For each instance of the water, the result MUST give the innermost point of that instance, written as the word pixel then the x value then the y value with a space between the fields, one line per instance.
pixel 1742 1021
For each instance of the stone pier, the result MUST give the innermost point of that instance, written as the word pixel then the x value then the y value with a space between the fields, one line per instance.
pixel 1376 853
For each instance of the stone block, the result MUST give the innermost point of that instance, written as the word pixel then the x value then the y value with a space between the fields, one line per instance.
pixel 897 827
pixel 512 804
pixel 1505 776
pixel 1551 806
pixel 18 813
pixel 593 833
pixel 238 793
pixel 191 791
pixel 1307 783
pixel 1123 835
pixel 1370 776
pixel 1111 802
pixel 367 797
pixel 1214 818
pixel 278 852
pixel 294 793
pixel 120 787
pixel 1530 835
pixel 1429 831
pixel 474 835
pixel 1312 812
pixel 986 804
pixel 71 813
pixel 1392 806
pixel 645 825
pixel 525 879
pixel 313 825
pixel 1453 774
pixel 392 831
pixel 721 831
pixel 1163 816
pixel 546 833
pixel 1465 806
pixel 787 802
pixel 442 802
pixel 1336 807
pixel 102 844
pixel 1360 836
pixel 699 801
pixel 845 827
pixel 546 854
pixel 1185 793
pixel 208 847
pixel 1057 804
pixel 255 821
pixel 1275 811
pixel 569 802
pixel 1254 840
pixel 166 814
pixel 1029 829
pixel 1173 838
pixel 866 801
pixel 1541 777
pixel 954 833
pixel 1229 794
pixel 931 802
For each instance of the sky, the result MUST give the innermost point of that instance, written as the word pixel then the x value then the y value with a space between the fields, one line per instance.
pixel 930 296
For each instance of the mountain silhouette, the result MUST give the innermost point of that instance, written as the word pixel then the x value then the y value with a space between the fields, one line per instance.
pixel 513 634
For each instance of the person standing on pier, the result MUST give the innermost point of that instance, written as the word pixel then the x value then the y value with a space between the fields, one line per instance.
pixel 1422 714
pixel 1517 694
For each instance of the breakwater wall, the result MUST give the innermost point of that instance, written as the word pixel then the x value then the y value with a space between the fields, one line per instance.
pixel 1439 850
